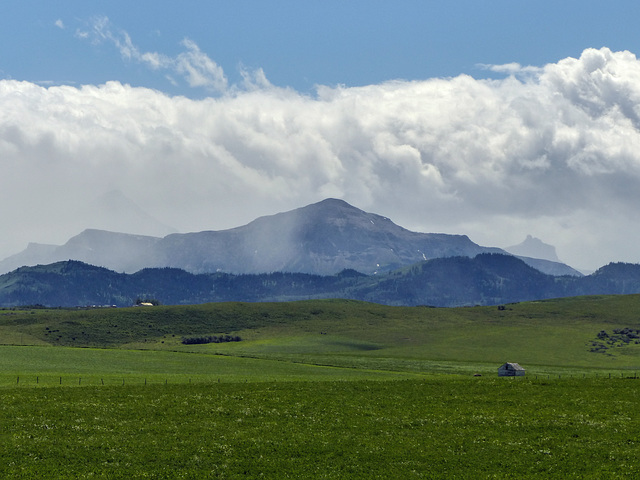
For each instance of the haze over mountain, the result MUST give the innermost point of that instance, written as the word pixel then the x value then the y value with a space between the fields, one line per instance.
pixel 114 211
pixel 322 238
pixel 99 219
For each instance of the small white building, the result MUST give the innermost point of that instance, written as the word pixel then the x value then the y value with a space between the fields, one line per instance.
pixel 510 370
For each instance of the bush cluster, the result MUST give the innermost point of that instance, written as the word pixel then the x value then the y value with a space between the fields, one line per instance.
pixel 619 338
pixel 210 339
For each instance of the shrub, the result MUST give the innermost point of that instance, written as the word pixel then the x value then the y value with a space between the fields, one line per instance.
pixel 210 339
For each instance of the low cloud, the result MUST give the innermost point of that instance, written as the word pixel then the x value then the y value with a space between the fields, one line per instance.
pixel 555 153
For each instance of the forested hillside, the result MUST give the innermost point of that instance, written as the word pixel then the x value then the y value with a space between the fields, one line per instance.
pixel 487 279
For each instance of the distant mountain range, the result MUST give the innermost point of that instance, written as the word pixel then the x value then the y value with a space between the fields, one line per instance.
pixel 486 279
pixel 322 239
pixel 328 249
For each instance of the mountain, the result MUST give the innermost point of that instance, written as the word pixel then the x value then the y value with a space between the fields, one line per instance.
pixel 549 267
pixel 486 279
pixel 534 248
pixel 541 256
pixel 106 214
pixel 323 238
pixel 118 251
pixel 34 254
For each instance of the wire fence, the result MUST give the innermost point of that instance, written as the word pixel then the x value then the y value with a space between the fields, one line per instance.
pixel 95 381
pixel 47 380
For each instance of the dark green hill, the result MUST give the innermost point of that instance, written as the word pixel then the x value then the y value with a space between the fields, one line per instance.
pixel 63 284
pixel 615 278
pixel 487 279
pixel 73 283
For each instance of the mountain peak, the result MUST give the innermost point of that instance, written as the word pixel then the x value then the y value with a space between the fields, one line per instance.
pixel 535 248
pixel 322 238
pixel 334 202
pixel 331 206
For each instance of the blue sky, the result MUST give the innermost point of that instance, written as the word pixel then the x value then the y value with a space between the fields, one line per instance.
pixel 301 44
pixel 495 119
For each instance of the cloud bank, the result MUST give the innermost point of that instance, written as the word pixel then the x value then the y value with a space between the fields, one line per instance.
pixel 552 151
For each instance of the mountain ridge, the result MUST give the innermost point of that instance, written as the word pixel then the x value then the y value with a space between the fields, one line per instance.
pixel 321 238
pixel 486 279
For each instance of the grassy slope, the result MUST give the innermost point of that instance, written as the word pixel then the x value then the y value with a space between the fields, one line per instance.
pixel 543 336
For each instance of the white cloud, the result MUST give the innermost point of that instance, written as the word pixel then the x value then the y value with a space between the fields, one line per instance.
pixel 512 69
pixel 198 69
pixel 556 154
pixel 193 65
pixel 60 24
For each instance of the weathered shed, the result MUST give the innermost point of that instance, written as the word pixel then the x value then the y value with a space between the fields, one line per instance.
pixel 510 370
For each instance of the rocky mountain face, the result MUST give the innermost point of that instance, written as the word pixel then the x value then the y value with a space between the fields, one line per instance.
pixel 323 238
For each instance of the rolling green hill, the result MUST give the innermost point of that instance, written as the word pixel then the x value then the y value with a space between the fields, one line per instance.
pixel 597 332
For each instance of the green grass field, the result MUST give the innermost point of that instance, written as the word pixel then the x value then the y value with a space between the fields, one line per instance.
pixel 55 366
pixel 438 427
pixel 322 389
pixel 550 334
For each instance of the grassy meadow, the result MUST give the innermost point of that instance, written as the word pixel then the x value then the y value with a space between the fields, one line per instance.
pixel 547 337
pixel 322 389
pixel 437 427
